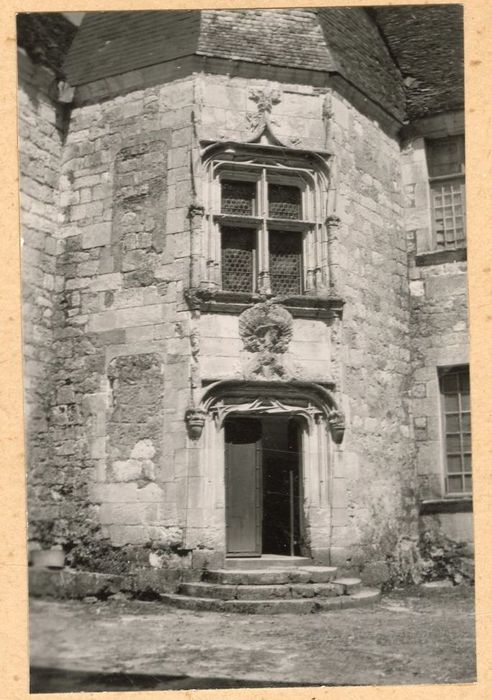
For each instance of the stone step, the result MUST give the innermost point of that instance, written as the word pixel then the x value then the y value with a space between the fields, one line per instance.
pixel 350 585
pixel 266 561
pixel 261 592
pixel 302 574
pixel 271 607
pixel 252 607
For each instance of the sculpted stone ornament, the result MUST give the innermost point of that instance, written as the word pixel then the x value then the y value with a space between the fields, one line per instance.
pixel 195 420
pixel 266 330
pixel 336 423
pixel 196 296
pixel 195 209
pixel 261 122
pixel 266 326
pixel 266 97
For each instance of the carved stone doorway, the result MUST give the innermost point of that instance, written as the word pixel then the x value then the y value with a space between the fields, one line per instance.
pixel 312 408
pixel 263 486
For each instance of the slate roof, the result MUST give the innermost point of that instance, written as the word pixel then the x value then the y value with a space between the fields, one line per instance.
pixel 112 43
pixel 362 56
pixel 46 37
pixel 408 59
pixel 427 43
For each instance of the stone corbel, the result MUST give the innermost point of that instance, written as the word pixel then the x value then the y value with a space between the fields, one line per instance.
pixel 195 209
pixel 336 424
pixel 196 296
pixel 195 420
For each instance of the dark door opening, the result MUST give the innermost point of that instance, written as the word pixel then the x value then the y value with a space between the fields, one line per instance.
pixel 263 486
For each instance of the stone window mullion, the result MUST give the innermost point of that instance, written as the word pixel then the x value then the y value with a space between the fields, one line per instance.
pixel 263 247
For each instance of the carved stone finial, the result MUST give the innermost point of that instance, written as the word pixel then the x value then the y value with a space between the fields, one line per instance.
pixel 266 97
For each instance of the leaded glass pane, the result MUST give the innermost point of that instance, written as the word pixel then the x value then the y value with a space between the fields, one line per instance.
pixel 454 464
pixel 453 443
pixel 466 422
pixel 455 484
pixel 284 202
pixel 465 402
pixel 285 248
pixel 466 442
pixel 237 259
pixel 451 403
pixel 238 197
pixel 453 423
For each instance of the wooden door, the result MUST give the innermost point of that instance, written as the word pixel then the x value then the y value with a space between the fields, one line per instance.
pixel 243 487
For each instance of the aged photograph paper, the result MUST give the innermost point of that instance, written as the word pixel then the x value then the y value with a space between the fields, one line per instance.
pixel 245 344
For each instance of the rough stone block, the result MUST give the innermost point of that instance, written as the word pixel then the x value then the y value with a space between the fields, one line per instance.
pixel 129 470
pixel 122 535
pixel 96 236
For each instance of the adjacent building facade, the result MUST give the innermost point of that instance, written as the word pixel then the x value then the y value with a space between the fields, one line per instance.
pixel 244 270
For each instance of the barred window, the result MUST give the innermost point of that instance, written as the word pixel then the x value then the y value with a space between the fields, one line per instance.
pixel 455 397
pixel 446 165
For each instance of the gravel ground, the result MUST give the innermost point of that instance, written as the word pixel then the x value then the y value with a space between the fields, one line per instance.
pixel 411 636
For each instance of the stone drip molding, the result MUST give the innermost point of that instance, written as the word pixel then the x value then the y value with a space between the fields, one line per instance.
pixel 309 400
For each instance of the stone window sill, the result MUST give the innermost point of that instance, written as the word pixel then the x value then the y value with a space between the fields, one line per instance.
pixel 446 505
pixel 300 306
pixel 438 257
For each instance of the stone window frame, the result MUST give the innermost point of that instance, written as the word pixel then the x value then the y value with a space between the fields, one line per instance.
pixel 448 493
pixel 307 170
pixel 436 183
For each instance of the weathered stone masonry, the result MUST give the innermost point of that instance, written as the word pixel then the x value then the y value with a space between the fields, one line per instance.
pixel 129 333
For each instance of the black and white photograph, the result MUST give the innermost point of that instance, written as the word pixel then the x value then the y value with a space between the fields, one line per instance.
pixel 245 340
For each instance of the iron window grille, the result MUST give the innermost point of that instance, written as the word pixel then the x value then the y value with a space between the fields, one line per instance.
pixel 454 386
pixel 446 166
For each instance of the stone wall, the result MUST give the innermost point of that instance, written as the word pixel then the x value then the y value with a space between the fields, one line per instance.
pixel 120 380
pixel 124 238
pixel 439 325
pixel 40 147
pixel 367 354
